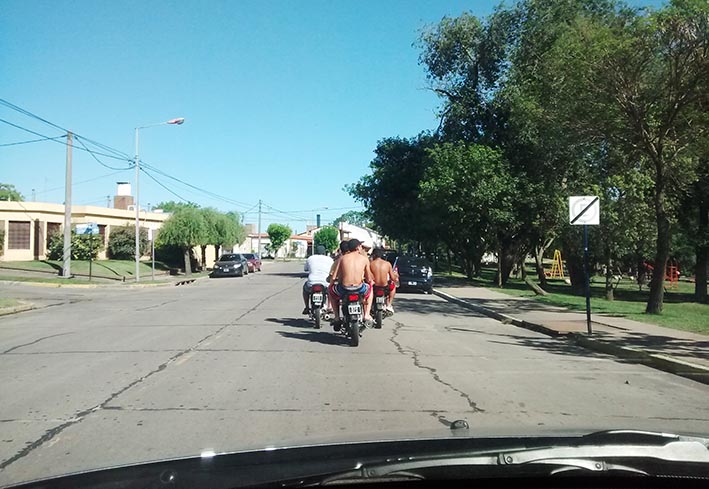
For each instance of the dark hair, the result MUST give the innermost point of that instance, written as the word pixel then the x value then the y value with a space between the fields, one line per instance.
pixel 354 244
pixel 319 250
pixel 344 246
pixel 378 253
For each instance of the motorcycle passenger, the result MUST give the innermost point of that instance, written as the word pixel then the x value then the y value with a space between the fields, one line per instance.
pixel 352 270
pixel 384 276
pixel 318 267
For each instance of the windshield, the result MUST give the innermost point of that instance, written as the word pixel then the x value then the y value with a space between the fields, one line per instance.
pixel 532 177
pixel 230 258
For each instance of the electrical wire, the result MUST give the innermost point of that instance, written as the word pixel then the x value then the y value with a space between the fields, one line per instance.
pixel 92 153
pixel 163 186
pixel 80 182
pixel 30 141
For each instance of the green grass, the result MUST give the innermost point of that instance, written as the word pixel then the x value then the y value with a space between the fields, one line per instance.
pixel 46 280
pixel 679 311
pixel 100 268
pixel 7 302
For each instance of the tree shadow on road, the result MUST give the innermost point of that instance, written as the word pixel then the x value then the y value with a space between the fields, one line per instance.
pixel 292 322
pixel 317 336
pixel 287 274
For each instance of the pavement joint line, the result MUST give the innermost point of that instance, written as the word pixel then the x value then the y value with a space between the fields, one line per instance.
pixel 665 363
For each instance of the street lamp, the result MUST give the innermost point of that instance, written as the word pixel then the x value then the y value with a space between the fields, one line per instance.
pixel 178 121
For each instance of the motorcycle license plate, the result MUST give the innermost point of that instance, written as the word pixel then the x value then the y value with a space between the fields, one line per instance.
pixel 354 309
pixel 380 300
pixel 317 299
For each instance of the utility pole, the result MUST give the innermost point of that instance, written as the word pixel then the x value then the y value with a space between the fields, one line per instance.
pixel 108 201
pixel 258 247
pixel 34 196
pixel 66 256
pixel 137 208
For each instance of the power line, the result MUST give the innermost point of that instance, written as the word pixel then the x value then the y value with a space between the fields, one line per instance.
pixel 163 186
pixel 31 141
pixel 82 181
pixel 81 142
pixel 63 143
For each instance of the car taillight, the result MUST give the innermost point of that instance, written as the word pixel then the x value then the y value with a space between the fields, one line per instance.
pixel 317 288
pixel 353 297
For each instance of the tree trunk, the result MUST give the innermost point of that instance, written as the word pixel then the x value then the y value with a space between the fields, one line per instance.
pixel 204 256
pixel 539 264
pixel 216 251
pixel 662 254
pixel 609 276
pixel 575 265
pixel 702 250
pixel 498 277
pixel 188 265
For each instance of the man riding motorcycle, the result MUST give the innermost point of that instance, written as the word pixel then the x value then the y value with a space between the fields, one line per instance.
pixel 318 267
pixel 384 276
pixel 351 270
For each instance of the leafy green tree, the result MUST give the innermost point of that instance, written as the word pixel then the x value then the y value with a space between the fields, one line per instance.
pixel 638 82
pixel 185 229
pixel 472 191
pixel 211 218
pixel 327 236
pixel 357 218
pixel 83 246
pixel 9 192
pixel 172 206
pixel 278 235
pixel 121 242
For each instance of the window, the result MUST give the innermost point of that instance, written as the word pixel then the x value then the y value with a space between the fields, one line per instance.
pixel 52 229
pixel 18 235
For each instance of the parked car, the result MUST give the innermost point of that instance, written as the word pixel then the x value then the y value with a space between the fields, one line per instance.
pixel 414 273
pixel 254 261
pixel 230 264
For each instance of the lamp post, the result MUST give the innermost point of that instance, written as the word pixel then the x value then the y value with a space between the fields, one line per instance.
pixel 177 121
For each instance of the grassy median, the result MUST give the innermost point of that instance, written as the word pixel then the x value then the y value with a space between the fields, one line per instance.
pixel 109 269
pixel 679 311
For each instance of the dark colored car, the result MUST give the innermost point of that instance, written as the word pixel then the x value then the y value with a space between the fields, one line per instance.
pixel 414 273
pixel 254 261
pixel 230 264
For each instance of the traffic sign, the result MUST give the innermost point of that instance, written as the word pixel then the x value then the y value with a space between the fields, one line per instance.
pixel 584 210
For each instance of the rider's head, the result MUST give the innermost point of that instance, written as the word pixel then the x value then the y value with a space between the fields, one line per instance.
pixel 319 250
pixel 354 244
pixel 377 253
pixel 344 247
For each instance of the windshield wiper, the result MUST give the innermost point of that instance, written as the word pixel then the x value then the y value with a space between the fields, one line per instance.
pixel 627 451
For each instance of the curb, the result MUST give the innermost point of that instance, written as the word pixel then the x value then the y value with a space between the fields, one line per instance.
pixel 665 363
pixel 6 311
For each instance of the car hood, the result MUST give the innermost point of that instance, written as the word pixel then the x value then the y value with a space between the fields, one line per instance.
pixel 225 263
pixel 293 460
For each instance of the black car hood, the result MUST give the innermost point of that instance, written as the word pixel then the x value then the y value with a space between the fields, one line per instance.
pixel 287 463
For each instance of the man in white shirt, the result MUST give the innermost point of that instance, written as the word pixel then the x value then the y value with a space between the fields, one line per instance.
pixel 318 268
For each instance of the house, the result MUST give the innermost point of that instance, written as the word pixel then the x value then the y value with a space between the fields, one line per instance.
pixel 27 226
pixel 297 246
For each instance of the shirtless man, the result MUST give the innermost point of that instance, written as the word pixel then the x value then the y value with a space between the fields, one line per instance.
pixel 384 275
pixel 351 270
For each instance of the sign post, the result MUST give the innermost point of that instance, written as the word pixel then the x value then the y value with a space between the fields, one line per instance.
pixel 585 210
pixel 90 229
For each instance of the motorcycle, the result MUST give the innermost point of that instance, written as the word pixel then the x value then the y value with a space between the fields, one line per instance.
pixel 379 309
pixel 353 314
pixel 318 305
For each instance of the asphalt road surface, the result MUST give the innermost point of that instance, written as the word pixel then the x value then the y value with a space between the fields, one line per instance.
pixel 110 376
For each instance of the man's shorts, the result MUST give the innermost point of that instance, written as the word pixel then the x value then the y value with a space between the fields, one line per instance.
pixel 364 289
pixel 308 286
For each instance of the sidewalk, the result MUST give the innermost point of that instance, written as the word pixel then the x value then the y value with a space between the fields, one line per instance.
pixel 679 352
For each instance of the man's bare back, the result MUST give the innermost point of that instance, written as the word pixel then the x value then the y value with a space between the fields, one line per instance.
pixel 382 272
pixel 352 269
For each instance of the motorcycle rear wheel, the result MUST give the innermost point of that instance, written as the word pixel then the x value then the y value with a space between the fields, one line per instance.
pixel 354 332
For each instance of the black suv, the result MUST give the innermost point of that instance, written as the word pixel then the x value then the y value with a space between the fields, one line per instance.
pixel 414 273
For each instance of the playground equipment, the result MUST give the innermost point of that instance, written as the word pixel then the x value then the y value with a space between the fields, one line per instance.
pixel 557 266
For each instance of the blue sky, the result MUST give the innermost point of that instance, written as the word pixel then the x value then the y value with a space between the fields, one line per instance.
pixel 284 101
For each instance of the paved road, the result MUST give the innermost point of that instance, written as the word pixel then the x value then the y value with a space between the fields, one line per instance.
pixel 123 375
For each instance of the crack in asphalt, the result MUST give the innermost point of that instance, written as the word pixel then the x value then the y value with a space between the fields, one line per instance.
pixel 417 362
pixel 155 306
pixel 35 342
pixel 78 417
